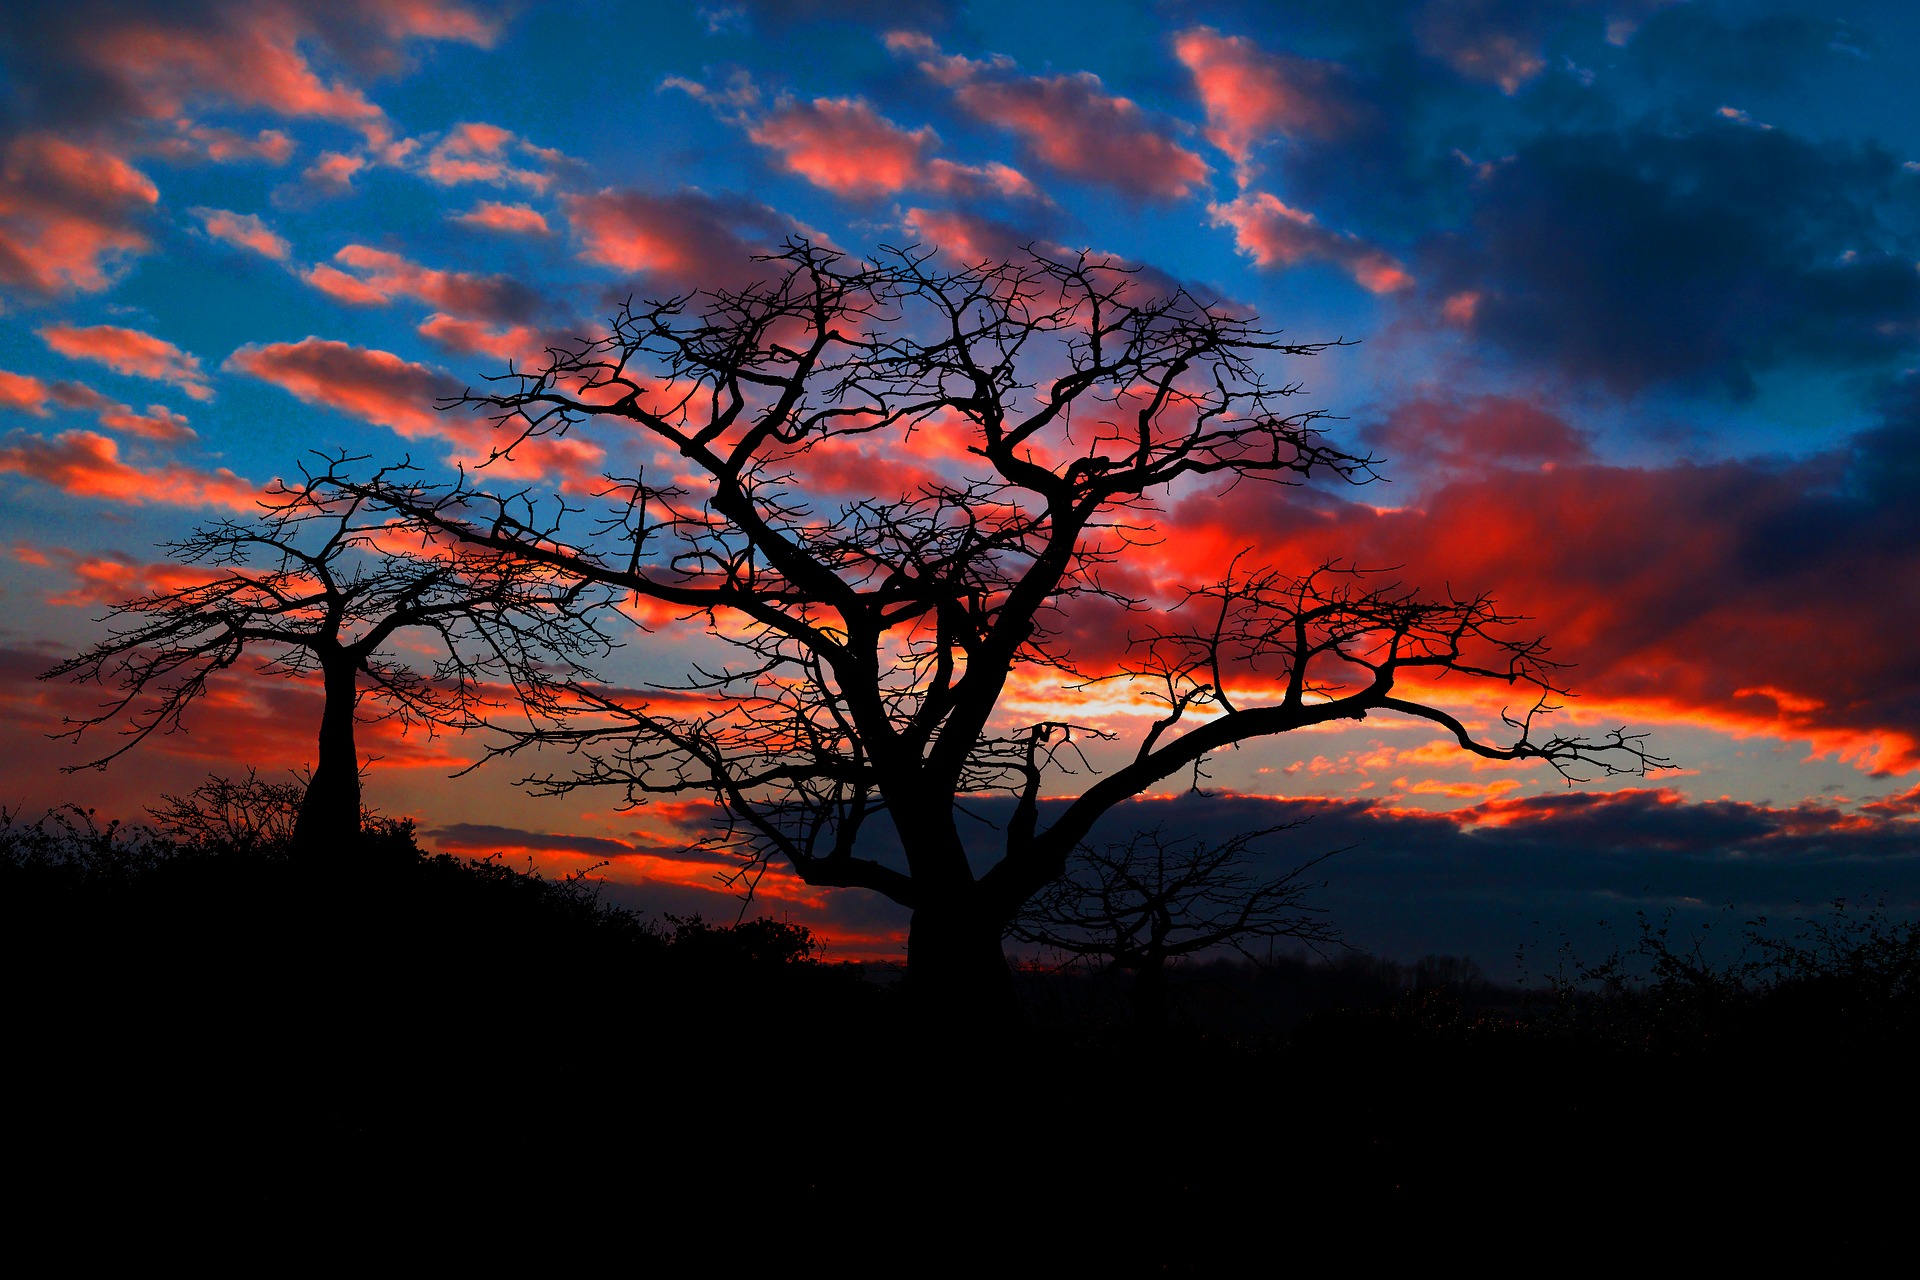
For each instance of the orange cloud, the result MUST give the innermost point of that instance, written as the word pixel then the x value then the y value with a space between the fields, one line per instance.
pixel 1274 235
pixel 88 465
pixel 69 215
pixel 30 395
pixel 130 352
pixel 516 219
pixel 244 231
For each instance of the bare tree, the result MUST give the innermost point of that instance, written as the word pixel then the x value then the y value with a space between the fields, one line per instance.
pixel 1149 902
pixel 1008 424
pixel 321 583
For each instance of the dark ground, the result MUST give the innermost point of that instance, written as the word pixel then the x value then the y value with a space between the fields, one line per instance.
pixel 366 1034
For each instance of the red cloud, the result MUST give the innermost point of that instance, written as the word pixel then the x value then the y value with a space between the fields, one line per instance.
pixel 88 465
pixel 1274 235
pixel 244 231
pixel 1687 591
pixel 687 239
pixel 1067 122
pixel 517 219
pixel 68 214
pixel 842 144
pixel 376 386
pixel 385 275
pixel 1251 94
pixel 129 351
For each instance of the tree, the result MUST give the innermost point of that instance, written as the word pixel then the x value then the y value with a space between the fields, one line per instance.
pixel 1005 426
pixel 1151 901
pixel 322 582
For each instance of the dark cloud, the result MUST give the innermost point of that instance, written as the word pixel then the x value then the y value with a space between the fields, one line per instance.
pixel 1645 257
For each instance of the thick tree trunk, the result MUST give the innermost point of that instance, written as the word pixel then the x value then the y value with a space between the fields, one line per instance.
pixel 330 813
pixel 957 974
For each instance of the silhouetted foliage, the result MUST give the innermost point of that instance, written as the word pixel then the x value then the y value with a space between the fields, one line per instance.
pixel 1012 423
pixel 321 583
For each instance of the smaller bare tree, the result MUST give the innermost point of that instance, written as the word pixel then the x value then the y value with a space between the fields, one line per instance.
pixel 323 582
pixel 1149 902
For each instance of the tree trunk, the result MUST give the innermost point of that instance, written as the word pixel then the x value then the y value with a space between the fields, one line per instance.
pixel 957 974
pixel 330 812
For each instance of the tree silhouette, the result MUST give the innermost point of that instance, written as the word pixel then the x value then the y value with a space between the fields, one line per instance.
pixel 1150 901
pixel 998 430
pixel 322 582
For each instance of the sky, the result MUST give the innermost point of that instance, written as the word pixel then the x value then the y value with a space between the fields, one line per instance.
pixel 1633 292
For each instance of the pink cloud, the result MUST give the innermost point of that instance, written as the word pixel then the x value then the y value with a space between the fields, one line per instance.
pixel 376 386
pixel 1250 94
pixel 23 394
pixel 1480 41
pixel 225 146
pixel 130 352
pixel 688 238
pixel 1274 235
pixel 244 231
pixel 469 338
pixel 1069 123
pixel 844 145
pixel 88 465
pixel 515 219
pixel 333 172
pixel 478 152
pixel 384 276
pixel 162 62
pixel 68 215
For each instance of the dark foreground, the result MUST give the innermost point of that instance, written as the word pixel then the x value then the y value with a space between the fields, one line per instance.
pixel 355 1038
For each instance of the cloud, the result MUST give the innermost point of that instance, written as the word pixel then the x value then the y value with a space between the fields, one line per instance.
pixel 514 219
pixel 84 63
pixel 376 386
pixel 687 239
pixel 130 352
pixel 1251 95
pixel 1069 123
pixel 478 152
pixel 382 276
pixel 844 145
pixel 1647 256
pixel 226 146
pixel 1277 236
pixel 70 216
pixel 88 465
pixel 1726 594
pixel 244 231
pixel 23 394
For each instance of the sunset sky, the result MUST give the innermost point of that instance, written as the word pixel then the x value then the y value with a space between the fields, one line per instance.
pixel 1636 289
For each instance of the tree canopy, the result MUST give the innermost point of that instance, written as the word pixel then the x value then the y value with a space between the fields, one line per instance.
pixel 892 487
